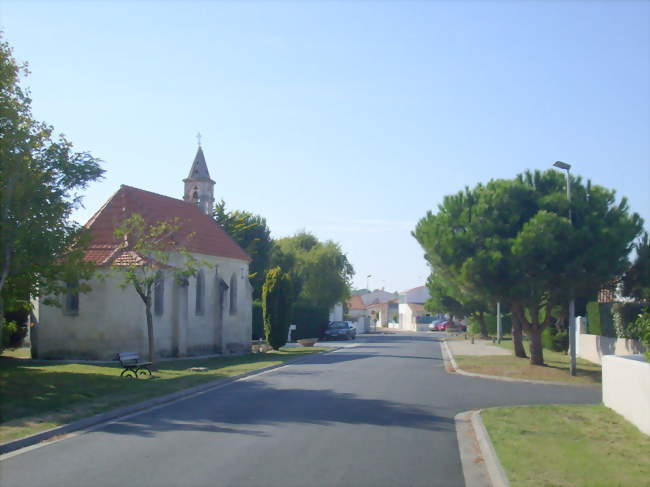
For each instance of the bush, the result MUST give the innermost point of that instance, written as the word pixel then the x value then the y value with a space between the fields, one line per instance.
pixel 640 330
pixel 593 318
pixel 311 321
pixel 258 321
pixel 13 334
pixel 600 319
pixel 276 307
pixel 624 316
pixel 554 340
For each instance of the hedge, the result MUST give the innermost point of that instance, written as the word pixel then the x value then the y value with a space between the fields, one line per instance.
pixel 600 317
pixel 311 321
pixel 258 321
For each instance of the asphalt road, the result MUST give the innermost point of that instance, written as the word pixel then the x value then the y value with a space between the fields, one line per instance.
pixel 378 414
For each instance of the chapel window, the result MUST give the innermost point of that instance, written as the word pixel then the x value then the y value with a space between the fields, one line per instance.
pixel 200 292
pixel 159 294
pixel 233 294
pixel 71 305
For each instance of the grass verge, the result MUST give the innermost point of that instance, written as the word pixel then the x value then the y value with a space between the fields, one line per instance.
pixel 36 396
pixel 576 446
pixel 555 370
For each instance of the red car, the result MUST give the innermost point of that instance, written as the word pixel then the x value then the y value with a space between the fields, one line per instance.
pixel 444 325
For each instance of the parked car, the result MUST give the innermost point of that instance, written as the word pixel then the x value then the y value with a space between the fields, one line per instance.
pixel 340 330
pixel 433 324
pixel 448 325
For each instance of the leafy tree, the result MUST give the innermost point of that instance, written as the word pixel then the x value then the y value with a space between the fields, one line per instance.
pixel 445 295
pixel 636 281
pixel 320 271
pixel 511 241
pixel 153 252
pixel 40 178
pixel 276 307
pixel 253 235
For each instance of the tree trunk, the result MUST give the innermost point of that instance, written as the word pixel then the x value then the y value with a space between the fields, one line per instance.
pixel 536 350
pixel 482 326
pixel 517 338
pixel 150 336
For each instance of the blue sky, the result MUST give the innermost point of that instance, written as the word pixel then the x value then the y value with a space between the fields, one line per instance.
pixel 347 119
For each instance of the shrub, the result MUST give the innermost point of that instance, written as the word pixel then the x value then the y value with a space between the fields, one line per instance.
pixel 311 321
pixel 258 321
pixel 593 318
pixel 13 334
pixel 624 316
pixel 640 330
pixel 276 307
pixel 554 340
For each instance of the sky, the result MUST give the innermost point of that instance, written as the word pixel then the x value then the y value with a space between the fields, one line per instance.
pixel 350 119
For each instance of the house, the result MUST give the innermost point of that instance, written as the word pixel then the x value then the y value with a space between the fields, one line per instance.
pixel 411 309
pixel 206 313
pixel 378 306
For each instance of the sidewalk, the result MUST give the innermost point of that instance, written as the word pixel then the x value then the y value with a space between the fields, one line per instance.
pixel 479 347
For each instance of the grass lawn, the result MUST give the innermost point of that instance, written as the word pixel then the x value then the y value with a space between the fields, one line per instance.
pixel 576 446
pixel 36 396
pixel 555 370
pixel 23 352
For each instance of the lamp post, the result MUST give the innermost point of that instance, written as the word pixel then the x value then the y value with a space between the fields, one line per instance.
pixel 572 303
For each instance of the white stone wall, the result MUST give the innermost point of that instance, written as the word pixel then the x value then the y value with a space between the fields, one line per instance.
pixel 626 388
pixel 406 321
pixel 112 319
pixel 595 347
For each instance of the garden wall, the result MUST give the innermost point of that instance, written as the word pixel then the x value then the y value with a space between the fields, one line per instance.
pixel 626 388
pixel 594 347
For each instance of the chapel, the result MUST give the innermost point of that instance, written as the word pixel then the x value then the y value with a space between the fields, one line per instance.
pixel 210 312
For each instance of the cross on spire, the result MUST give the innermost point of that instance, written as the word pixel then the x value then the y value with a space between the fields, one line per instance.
pixel 198 137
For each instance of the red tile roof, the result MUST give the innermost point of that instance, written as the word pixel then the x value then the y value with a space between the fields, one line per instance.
pixel 198 232
pixel 355 302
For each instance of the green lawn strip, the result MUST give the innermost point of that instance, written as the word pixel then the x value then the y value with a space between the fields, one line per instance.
pixel 38 395
pixel 22 352
pixel 573 446
pixel 555 370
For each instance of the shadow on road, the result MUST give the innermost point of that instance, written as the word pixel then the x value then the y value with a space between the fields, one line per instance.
pixel 257 404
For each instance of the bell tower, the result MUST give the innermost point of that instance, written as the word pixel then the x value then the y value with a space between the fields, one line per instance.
pixel 199 188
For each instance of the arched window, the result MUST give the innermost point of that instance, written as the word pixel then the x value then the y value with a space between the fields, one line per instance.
pixel 72 298
pixel 200 292
pixel 195 194
pixel 233 294
pixel 159 294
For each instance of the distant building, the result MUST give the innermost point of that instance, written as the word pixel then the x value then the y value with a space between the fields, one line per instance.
pixel 411 307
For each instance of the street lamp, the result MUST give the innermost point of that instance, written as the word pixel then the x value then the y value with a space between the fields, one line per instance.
pixel 572 303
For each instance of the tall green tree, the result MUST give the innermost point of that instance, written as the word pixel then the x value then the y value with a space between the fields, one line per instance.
pixel 445 295
pixel 41 177
pixel 636 281
pixel 277 304
pixel 512 241
pixel 155 254
pixel 253 235
pixel 320 271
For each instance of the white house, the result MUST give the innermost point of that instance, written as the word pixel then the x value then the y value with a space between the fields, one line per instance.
pixel 209 312
pixel 411 307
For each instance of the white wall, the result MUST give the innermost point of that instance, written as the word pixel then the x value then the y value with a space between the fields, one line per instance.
pixel 336 313
pixel 626 388
pixel 112 319
pixel 594 347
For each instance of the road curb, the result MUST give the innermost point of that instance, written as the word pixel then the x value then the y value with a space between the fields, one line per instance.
pixel 475 472
pixel 113 414
pixel 449 359
pixel 497 474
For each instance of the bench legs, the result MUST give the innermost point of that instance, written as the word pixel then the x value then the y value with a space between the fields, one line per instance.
pixel 134 371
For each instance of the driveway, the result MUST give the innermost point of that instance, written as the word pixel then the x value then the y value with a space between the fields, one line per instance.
pixel 380 413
